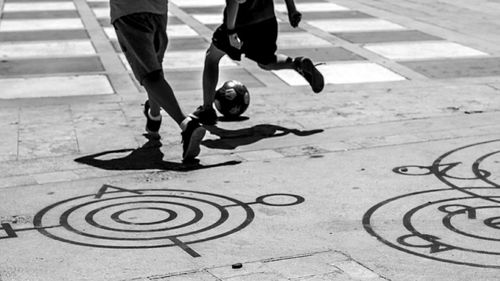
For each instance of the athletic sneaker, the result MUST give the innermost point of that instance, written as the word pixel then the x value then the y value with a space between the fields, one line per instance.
pixel 191 140
pixel 152 126
pixel 306 68
pixel 205 116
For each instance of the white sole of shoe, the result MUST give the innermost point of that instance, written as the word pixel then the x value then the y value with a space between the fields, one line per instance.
pixel 193 148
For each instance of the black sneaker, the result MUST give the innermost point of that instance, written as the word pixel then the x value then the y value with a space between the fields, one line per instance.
pixel 191 140
pixel 206 116
pixel 306 68
pixel 152 126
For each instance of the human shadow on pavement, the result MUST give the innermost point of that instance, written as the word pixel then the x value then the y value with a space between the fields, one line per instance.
pixel 231 139
pixel 148 156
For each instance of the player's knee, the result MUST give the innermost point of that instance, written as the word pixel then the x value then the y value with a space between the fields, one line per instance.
pixel 154 76
pixel 268 63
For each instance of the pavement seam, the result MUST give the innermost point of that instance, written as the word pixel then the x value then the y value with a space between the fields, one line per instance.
pixel 268 260
pixel 18 126
pixel 431 28
pixel 354 147
pixel 358 49
pixel 112 64
pixel 349 257
pixel 74 127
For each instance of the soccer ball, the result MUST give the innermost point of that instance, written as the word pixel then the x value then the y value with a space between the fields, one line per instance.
pixel 232 99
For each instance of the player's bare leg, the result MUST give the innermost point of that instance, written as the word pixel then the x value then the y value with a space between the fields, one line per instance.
pixel 211 74
pixel 304 66
pixel 161 95
pixel 206 113
pixel 282 62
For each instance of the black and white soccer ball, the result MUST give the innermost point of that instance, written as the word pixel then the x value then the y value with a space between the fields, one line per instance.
pixel 232 99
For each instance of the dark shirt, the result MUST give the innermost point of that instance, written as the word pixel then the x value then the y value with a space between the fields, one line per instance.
pixel 120 8
pixel 253 11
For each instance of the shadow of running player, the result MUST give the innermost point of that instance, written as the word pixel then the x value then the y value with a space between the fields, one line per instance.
pixel 231 139
pixel 148 156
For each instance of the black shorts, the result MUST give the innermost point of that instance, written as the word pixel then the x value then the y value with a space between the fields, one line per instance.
pixel 259 41
pixel 143 39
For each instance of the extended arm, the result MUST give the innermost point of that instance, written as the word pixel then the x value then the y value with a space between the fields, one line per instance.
pixel 294 16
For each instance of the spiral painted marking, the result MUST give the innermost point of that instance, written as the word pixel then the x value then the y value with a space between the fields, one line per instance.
pixel 148 218
pixel 459 224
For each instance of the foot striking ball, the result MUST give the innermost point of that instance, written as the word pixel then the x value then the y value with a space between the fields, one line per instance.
pixel 232 99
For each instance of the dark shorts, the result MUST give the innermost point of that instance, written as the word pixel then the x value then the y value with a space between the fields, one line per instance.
pixel 143 39
pixel 259 41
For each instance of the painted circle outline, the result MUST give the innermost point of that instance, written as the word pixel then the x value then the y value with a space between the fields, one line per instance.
pixel 299 199
pixel 116 216
pixel 89 216
pixel 37 220
pixel 368 228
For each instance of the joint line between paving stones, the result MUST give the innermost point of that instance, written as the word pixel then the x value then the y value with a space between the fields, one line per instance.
pixel 18 125
pixel 329 152
pixel 349 257
pixel 105 50
pixel 400 69
pixel 200 28
pixel 207 270
pixel 74 128
pixel 296 256
pixel 421 25
pixel 493 87
pixel 162 276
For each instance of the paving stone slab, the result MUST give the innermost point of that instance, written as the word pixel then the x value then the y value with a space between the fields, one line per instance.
pixel 204 10
pixel 335 15
pixel 55 86
pixel 387 36
pixel 40 24
pixel 50 66
pixel 44 35
pixel 313 7
pixel 354 25
pixel 424 50
pixel 35 6
pixel 324 54
pixel 39 15
pixel 191 80
pixel 455 68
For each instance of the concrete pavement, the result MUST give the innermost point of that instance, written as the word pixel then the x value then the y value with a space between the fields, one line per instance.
pixel 390 174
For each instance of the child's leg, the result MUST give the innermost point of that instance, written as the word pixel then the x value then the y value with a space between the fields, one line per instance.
pixel 211 74
pixel 282 62
pixel 304 66
pixel 260 46
pixel 205 113
pixel 161 95
pixel 220 46
pixel 154 107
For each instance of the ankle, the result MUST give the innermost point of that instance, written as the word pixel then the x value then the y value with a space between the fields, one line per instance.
pixel 184 123
pixel 155 117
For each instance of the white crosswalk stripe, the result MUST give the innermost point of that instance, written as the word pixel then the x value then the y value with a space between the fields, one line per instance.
pixel 303 40
pixel 423 50
pixel 344 73
pixel 38 6
pixel 34 87
pixel 40 24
